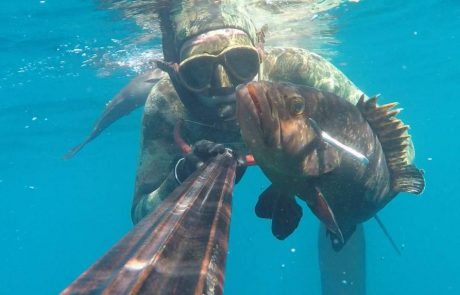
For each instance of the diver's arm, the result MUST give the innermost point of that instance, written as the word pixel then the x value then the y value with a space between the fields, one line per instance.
pixel 300 66
pixel 155 178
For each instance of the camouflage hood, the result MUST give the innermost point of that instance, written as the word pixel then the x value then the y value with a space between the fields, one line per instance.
pixel 185 19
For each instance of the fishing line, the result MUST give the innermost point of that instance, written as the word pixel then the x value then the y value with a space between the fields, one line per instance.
pixel 387 234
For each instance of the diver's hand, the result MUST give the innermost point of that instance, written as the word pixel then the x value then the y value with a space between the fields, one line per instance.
pixel 203 151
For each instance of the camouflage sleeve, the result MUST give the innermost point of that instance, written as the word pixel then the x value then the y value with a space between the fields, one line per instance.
pixel 300 66
pixel 155 179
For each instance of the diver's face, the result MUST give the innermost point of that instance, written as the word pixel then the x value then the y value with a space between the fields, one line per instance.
pixel 213 64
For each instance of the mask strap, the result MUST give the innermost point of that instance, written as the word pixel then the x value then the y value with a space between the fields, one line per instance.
pixel 260 48
pixel 260 70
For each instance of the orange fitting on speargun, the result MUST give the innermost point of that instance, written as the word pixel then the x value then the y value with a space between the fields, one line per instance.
pixel 186 148
pixel 249 159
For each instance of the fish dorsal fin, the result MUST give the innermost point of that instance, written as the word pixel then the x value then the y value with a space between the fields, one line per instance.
pixel 394 138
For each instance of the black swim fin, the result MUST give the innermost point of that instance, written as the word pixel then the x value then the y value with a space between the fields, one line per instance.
pixel 343 272
pixel 124 102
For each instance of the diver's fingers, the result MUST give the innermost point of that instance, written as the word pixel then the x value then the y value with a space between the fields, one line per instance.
pixel 206 149
pixel 216 149
pixel 192 162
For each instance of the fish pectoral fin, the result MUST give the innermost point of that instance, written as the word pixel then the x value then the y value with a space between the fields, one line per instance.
pixel 282 208
pixel 286 217
pixel 267 202
pixel 320 207
pixel 408 179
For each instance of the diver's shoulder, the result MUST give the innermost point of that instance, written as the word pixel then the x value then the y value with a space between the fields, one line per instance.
pixel 286 52
pixel 164 101
pixel 288 61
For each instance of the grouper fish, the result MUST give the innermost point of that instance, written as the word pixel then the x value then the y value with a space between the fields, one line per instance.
pixel 345 161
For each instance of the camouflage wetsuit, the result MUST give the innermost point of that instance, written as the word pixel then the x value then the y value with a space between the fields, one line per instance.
pixel 155 177
pixel 184 22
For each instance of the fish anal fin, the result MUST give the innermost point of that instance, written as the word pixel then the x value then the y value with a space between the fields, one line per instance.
pixel 267 202
pixel 339 241
pixel 286 217
pixel 320 207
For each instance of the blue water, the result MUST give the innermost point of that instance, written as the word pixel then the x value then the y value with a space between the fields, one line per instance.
pixel 57 217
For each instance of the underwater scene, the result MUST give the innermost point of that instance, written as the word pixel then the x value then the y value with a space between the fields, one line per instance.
pixel 91 90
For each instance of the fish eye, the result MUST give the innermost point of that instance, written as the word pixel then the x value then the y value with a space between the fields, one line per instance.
pixel 296 106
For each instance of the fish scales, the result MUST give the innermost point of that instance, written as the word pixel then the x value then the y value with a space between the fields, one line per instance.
pixel 285 127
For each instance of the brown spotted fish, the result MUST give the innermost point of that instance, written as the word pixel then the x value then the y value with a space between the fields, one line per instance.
pixel 345 161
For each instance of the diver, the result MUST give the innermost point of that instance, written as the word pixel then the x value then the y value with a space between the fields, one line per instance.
pixel 206 58
pixel 209 50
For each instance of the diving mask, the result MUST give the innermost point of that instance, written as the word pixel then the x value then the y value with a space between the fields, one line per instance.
pixel 241 63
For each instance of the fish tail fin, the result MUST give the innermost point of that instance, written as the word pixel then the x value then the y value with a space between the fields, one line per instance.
pixel 408 179
pixel 394 138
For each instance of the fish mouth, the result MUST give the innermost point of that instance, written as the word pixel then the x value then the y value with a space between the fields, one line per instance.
pixel 257 117
pixel 252 94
